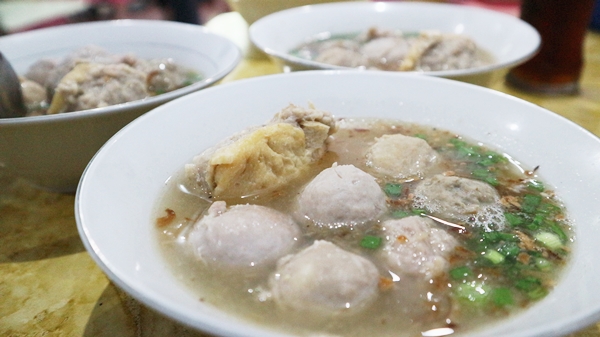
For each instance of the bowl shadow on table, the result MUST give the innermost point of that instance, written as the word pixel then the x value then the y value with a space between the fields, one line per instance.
pixel 36 224
pixel 118 314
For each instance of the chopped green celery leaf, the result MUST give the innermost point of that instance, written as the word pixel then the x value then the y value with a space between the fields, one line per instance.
pixel 535 253
pixel 398 214
pixel 542 264
pixel 486 161
pixel 550 240
pixel 492 181
pixel 422 136
pixel 548 208
pixel 532 226
pixel 539 219
pixel 502 297
pixel 474 292
pixel 467 151
pixel 530 203
pixel 509 237
pixel 537 222
pixel 537 293
pixel 513 219
pixel 555 227
pixel 480 173
pixel 494 256
pixel 493 236
pixel 393 189
pixel 417 211
pixel 371 242
pixel 528 283
pixel 536 185
pixel 496 236
pixel 457 142
pixel 460 273
pixel 509 249
pixel 495 157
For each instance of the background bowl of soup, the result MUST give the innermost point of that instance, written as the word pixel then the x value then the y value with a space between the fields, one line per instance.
pixel 132 173
pixel 504 41
pixel 52 151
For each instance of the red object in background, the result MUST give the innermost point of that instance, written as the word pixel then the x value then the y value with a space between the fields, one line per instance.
pixel 557 67
pixel 511 7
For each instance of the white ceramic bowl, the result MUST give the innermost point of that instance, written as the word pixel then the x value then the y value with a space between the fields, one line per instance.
pixel 508 39
pixel 52 151
pixel 129 179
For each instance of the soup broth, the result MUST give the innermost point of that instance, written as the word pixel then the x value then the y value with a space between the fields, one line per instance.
pixel 495 271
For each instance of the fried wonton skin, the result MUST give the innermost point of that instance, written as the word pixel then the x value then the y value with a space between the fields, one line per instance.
pixel 264 158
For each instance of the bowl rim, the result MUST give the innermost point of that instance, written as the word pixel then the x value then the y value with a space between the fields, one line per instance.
pixel 141 103
pixel 380 7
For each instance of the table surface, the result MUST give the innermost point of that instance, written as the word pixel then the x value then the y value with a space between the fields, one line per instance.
pixel 50 286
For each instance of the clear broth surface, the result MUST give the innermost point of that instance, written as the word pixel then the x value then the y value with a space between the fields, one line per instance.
pixel 410 307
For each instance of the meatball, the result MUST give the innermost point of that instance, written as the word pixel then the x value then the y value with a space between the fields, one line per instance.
pixel 450 53
pixel 343 53
pixel 341 196
pixel 416 246
pixel 401 157
pixel 386 53
pixel 163 75
pixel 40 70
pixel 324 278
pixel 243 235
pixel 460 199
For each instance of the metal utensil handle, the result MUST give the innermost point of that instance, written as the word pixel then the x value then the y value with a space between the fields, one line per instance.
pixel 11 97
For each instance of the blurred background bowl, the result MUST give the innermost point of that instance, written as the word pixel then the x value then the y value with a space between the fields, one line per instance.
pixel 509 40
pixel 51 151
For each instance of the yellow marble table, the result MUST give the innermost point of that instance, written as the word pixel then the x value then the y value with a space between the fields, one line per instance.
pixel 49 285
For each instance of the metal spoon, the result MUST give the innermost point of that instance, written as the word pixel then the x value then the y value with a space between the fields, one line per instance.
pixel 11 96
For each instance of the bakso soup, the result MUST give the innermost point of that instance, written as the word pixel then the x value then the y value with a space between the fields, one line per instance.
pixel 318 225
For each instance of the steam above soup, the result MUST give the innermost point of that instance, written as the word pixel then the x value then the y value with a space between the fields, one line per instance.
pixel 356 227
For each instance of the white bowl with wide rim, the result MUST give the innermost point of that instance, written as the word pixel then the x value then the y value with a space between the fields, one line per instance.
pixel 129 179
pixel 509 40
pixel 52 151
